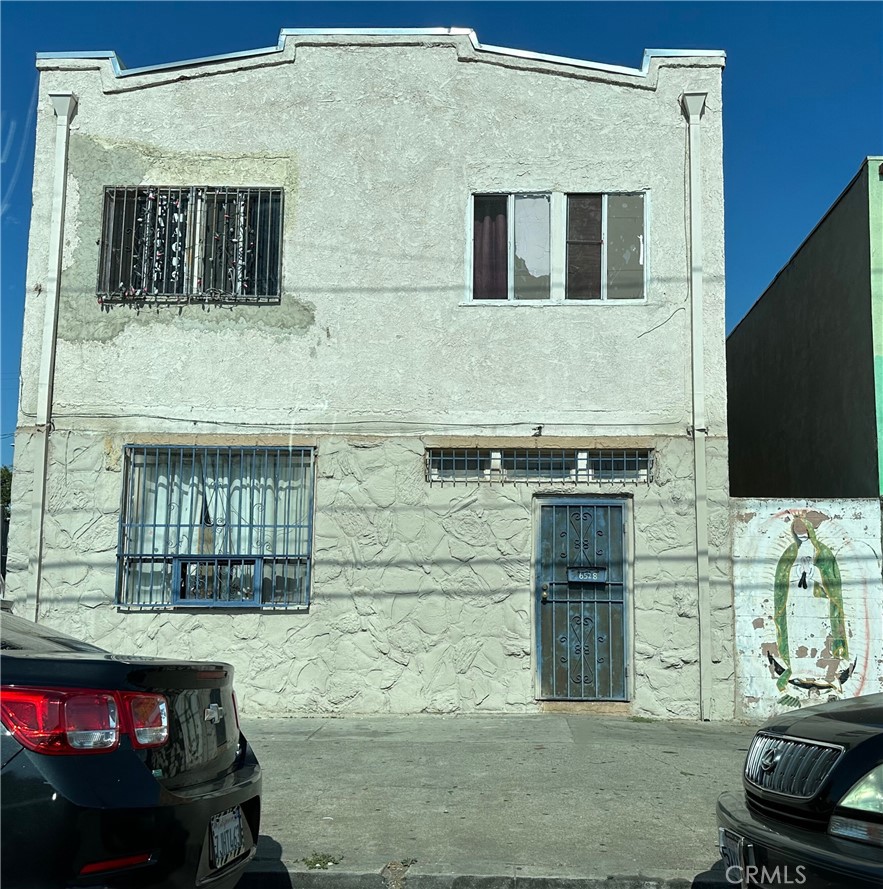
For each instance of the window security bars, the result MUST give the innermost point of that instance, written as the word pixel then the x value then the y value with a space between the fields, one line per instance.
pixel 197 244
pixel 219 527
pixel 546 466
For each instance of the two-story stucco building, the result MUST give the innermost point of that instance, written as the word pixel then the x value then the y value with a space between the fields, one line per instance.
pixel 387 366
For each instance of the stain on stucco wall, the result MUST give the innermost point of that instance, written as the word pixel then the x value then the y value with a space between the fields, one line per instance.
pixel 96 163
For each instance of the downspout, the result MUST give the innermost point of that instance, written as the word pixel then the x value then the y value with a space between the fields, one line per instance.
pixel 693 106
pixel 65 106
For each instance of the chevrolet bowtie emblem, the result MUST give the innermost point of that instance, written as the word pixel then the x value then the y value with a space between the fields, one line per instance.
pixel 214 713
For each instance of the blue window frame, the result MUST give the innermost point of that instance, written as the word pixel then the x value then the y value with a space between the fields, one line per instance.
pixel 215 527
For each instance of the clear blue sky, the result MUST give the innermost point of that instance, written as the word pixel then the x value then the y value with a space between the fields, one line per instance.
pixel 803 98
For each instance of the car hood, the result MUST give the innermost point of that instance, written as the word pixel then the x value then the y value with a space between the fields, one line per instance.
pixel 848 722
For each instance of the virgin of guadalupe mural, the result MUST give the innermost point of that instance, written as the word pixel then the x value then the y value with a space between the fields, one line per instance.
pixel 808 602
pixel 808 566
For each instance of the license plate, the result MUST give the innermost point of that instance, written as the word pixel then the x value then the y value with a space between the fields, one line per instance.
pixel 228 840
pixel 737 854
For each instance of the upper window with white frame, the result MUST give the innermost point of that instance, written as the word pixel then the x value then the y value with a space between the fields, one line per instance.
pixel 556 247
pixel 183 244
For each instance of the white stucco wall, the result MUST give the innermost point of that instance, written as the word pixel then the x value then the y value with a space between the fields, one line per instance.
pixel 378 145
pixel 777 568
pixel 422 595
pixel 378 148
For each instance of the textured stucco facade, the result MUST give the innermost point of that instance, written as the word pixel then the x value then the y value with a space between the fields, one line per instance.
pixel 813 341
pixel 422 595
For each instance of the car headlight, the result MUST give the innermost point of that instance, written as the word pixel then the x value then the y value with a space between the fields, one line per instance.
pixel 865 796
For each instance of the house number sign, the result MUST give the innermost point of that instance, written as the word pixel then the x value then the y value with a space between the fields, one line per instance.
pixel 586 575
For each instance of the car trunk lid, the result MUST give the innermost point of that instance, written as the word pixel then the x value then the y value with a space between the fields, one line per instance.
pixel 203 742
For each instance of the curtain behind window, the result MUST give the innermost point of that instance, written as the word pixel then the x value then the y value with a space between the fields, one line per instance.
pixel 490 262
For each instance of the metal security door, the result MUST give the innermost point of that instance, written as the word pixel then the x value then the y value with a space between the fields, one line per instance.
pixel 580 596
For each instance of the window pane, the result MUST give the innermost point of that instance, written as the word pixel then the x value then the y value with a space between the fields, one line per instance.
pixel 265 221
pixel 145 241
pixel 490 260
pixel 532 264
pixel 219 243
pixel 625 246
pixel 170 241
pixel 117 247
pixel 459 464
pixel 549 465
pixel 583 246
pixel 214 525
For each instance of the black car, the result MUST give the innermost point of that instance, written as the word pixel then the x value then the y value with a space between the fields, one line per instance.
pixel 812 811
pixel 120 771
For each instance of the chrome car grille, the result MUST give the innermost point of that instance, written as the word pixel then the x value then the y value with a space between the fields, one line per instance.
pixel 790 766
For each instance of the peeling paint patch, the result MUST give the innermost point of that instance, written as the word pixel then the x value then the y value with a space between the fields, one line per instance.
pixel 97 163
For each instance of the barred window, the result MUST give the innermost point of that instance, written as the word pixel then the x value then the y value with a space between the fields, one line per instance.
pixel 205 243
pixel 219 527
pixel 544 465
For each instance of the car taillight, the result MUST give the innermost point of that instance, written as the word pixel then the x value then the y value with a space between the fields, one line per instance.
pixel 150 719
pixel 57 722
pixel 64 721
pixel 98 867
pixel 91 721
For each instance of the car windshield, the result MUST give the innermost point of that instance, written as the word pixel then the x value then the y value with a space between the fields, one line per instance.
pixel 17 634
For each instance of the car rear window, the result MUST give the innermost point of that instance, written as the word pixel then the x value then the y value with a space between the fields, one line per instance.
pixel 17 634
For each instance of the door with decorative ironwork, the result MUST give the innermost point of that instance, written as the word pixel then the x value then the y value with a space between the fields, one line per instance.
pixel 581 601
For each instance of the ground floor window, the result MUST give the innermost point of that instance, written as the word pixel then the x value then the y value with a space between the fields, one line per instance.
pixel 539 465
pixel 219 527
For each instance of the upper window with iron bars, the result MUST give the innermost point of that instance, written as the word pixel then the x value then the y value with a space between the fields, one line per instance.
pixel 541 465
pixel 554 247
pixel 197 243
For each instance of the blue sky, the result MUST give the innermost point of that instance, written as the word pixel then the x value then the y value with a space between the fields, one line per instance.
pixel 803 98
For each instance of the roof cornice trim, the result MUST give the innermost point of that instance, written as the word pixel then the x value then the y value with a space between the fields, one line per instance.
pixel 119 69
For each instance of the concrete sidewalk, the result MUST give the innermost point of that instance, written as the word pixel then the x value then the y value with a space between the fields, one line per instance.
pixel 487 801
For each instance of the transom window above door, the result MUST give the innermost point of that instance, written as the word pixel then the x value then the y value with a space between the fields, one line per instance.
pixel 554 247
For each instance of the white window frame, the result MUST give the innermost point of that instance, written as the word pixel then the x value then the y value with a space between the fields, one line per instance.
pixel 557 249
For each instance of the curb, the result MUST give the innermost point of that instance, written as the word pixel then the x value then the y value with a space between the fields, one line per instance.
pixel 275 875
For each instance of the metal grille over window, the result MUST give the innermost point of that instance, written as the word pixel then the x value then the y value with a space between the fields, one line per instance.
pixel 195 244
pixel 216 527
pixel 548 465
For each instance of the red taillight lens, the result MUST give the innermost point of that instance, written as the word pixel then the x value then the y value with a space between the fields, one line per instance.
pixel 150 719
pixel 65 721
pixel 55 722
pixel 99 867
pixel 91 721
pixel 35 719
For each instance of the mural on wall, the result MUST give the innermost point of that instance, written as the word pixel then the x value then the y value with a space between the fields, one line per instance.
pixel 808 601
